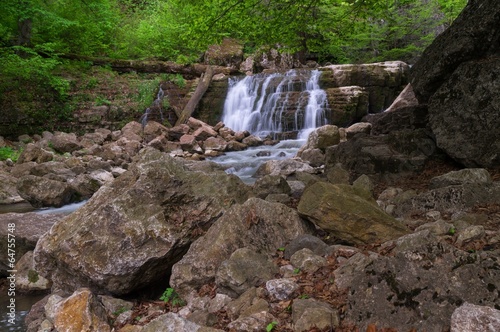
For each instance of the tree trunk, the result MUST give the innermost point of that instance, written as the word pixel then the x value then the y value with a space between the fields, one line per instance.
pixel 154 66
pixel 202 87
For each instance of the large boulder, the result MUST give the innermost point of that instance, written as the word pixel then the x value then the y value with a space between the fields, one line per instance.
pixel 41 191
pixel 473 36
pixel 397 153
pixel 131 232
pixel 340 211
pixel 457 75
pixel 419 285
pixel 257 225
pixel 464 113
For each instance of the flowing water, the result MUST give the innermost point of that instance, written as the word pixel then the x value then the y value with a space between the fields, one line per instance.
pixel 270 104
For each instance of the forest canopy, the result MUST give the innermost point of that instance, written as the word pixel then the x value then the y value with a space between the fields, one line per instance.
pixel 180 30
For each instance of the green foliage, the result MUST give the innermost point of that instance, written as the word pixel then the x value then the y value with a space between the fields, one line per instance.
pixel 171 296
pixel 271 326
pixel 9 153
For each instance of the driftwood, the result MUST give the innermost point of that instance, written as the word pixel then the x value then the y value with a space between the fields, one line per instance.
pixel 153 66
pixel 202 87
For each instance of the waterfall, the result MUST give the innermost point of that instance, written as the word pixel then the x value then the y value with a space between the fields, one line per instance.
pixel 269 104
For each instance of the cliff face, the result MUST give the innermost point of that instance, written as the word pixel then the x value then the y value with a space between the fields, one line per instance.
pixel 458 76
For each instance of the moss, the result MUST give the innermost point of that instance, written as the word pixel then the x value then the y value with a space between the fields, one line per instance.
pixel 33 276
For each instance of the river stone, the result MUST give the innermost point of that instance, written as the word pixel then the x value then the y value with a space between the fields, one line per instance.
pixel 338 210
pixel 63 142
pixel 40 191
pixel 33 152
pixel 27 278
pixel 307 261
pixel 130 233
pixel 283 167
pixel 29 227
pixel 475 318
pixel 464 176
pixel 8 191
pixel 243 270
pixel 257 225
pixel 309 313
pixel 82 311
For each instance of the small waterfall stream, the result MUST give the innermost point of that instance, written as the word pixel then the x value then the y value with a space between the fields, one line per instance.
pixel 270 104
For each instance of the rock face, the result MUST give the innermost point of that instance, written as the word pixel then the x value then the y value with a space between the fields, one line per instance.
pixel 383 81
pixel 457 75
pixel 133 230
pixel 419 285
pixel 256 225
pixel 464 113
pixel 338 210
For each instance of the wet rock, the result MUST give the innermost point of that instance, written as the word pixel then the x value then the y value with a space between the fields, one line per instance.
pixel 130 233
pixel 284 167
pixel 347 216
pixel 405 99
pixel 360 127
pixel 411 117
pixel 396 153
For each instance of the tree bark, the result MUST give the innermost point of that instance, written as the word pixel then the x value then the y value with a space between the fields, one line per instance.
pixel 154 66
pixel 202 87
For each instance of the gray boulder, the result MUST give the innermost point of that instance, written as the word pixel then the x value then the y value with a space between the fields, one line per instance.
pixel 257 225
pixel 41 191
pixel 244 269
pixel 8 191
pixel 457 75
pixel 131 232
pixel 419 285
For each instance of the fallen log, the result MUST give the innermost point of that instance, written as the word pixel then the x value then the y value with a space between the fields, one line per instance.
pixel 202 87
pixel 153 66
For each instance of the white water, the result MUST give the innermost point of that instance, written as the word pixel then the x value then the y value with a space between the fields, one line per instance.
pixel 256 103
pixel 245 163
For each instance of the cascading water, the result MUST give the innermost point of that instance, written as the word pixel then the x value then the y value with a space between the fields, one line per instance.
pixel 269 104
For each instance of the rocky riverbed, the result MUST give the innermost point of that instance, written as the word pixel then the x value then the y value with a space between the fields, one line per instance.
pixel 392 224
